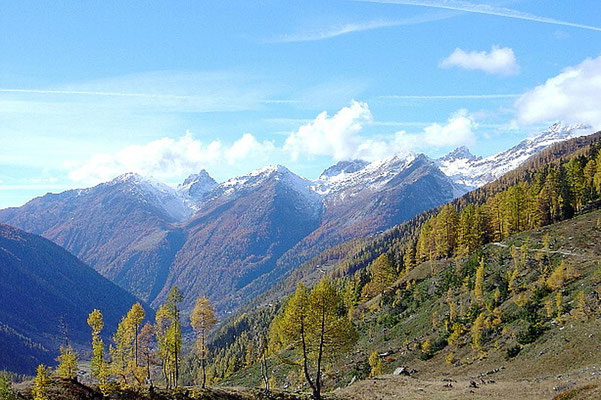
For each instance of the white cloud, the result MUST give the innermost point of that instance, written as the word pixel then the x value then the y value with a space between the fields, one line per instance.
pixel 248 146
pixel 339 136
pixel 334 136
pixel 457 131
pixel 571 96
pixel 500 60
pixel 168 159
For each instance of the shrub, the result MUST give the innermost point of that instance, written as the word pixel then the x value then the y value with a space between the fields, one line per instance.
pixel 513 351
pixel 6 390
pixel 530 335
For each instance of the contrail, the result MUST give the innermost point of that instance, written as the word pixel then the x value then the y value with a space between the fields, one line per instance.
pixel 92 93
pixel 331 32
pixel 459 5
pixel 450 96
pixel 121 94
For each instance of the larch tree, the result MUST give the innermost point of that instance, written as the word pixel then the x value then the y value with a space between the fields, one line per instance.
pixel 263 352
pixel 146 345
pixel 168 331
pixel 202 319
pixel 98 363
pixel 40 383
pixel 409 257
pixel 6 390
pixel 67 363
pixel 161 325
pixel 135 317
pixel 314 324
pixel 124 352
pixel 383 274
pixel 479 283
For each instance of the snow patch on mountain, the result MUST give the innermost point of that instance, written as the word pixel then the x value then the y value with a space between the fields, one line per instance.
pixel 371 176
pixel 343 167
pixel 472 172
pixel 154 193
pixel 196 186
pixel 238 186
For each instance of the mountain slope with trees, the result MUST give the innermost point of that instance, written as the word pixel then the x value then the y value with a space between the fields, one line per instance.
pixel 389 279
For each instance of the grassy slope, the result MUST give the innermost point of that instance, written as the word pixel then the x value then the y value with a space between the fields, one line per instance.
pixel 568 346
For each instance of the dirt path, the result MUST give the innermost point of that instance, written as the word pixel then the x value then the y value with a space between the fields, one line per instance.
pixel 565 253
pixel 408 388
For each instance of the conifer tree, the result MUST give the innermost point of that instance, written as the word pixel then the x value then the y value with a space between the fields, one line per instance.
pixel 317 328
pixel 6 390
pixel 479 282
pixel 40 383
pixel 67 363
pixel 383 274
pixel 409 257
pixel 597 176
pixel 477 329
pixel 445 231
pixel 135 316
pixel 168 332
pixel 375 362
pixel 202 319
pixel 146 349
pixel 97 363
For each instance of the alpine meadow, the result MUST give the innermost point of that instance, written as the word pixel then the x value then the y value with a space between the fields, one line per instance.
pixel 338 200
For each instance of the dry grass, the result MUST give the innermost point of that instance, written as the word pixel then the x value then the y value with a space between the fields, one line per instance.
pixel 391 387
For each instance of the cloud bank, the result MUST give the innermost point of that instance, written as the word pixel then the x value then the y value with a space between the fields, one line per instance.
pixel 339 137
pixel 571 96
pixel 499 60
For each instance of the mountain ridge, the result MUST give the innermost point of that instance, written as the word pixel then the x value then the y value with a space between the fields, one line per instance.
pixel 125 228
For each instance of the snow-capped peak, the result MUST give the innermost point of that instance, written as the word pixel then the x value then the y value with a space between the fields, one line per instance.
pixel 275 173
pixel 346 167
pixel 371 176
pixel 474 173
pixel 197 185
pixel 154 193
pixel 128 177
pixel 460 153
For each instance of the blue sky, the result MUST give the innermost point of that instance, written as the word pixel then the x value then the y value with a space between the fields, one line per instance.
pixel 89 90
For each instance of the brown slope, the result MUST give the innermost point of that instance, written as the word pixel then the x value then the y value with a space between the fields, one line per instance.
pixel 113 227
pixel 233 241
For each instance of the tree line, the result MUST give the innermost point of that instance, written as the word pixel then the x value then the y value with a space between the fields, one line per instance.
pixel 552 194
pixel 136 350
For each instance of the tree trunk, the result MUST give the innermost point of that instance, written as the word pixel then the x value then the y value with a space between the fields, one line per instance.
pixel 264 371
pixel 176 375
pixel 202 360
pixel 136 346
pixel 317 390
pixel 305 361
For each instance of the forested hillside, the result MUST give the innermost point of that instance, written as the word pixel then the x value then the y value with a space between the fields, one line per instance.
pixel 436 263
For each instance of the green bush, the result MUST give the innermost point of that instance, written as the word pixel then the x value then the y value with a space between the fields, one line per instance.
pixel 530 335
pixel 6 389
pixel 513 351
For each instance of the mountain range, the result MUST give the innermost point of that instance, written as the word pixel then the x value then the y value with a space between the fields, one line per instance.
pixel 233 240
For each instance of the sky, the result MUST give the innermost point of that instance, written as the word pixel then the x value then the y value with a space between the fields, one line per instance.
pixel 90 90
